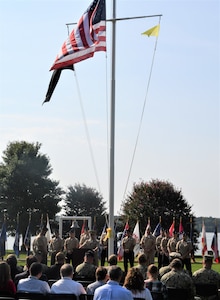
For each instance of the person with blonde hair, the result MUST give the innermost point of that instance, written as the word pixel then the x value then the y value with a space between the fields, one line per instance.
pixel 6 283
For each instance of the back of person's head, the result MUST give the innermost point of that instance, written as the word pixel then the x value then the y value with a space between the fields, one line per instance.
pixel 4 274
pixel 115 273
pixel 208 260
pixel 66 271
pixel 113 260
pixel 176 264
pixel 12 260
pixel 60 257
pixel 134 280
pixel 35 269
pixel 153 270
pixel 101 273
pixel 142 259
pixel 30 259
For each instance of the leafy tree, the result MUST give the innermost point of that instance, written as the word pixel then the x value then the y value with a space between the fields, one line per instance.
pixel 81 200
pixel 154 200
pixel 25 185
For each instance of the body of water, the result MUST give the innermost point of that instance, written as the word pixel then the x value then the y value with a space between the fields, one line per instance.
pixel 209 236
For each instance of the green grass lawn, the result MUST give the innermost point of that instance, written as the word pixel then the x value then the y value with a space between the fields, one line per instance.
pixel 195 266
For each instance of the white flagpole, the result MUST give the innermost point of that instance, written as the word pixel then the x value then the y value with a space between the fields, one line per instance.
pixel 112 137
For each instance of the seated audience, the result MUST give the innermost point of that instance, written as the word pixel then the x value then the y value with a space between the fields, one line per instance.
pixel 11 259
pixel 134 282
pixel 32 284
pixel 113 261
pixel 6 283
pixel 101 278
pixel 86 270
pixel 29 260
pixel 166 269
pixel 177 278
pixel 142 264
pixel 152 282
pixel 206 275
pixel 66 285
pixel 112 289
pixel 54 270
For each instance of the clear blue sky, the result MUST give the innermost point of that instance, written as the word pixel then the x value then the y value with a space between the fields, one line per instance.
pixel 180 135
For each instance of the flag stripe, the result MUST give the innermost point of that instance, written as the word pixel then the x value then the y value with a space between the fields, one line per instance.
pixel 88 37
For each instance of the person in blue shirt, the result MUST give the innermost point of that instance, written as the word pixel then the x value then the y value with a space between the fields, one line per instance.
pixel 32 284
pixel 112 290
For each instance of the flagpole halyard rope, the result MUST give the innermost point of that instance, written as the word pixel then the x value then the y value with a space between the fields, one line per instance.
pixel 142 115
pixel 87 131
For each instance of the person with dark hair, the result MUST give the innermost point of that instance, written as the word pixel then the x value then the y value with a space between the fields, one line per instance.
pixel 113 260
pixel 29 260
pixel 11 260
pixel 101 278
pixel 112 290
pixel 86 270
pixel 32 284
pixel 66 285
pixel 54 270
pixel 128 243
pixel 6 283
pixel 134 282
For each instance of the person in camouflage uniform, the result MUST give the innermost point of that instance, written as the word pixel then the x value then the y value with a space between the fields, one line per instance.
pixel 87 269
pixel 178 279
pixel 206 275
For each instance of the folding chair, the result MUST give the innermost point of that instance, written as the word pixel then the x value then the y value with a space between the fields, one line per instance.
pixel 206 290
pixel 178 294
pixel 63 297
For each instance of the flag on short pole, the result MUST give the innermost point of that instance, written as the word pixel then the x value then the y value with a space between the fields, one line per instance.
pixel 204 242
pixel 157 229
pixel 136 236
pixel 48 234
pixel 88 37
pixel 120 248
pixel 172 228
pixel 181 230
pixel 154 31
pixel 3 239
pixel 214 245
pixel 17 241
pixel 27 239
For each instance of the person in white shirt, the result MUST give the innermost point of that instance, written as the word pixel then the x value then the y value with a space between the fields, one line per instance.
pixel 66 285
pixel 32 284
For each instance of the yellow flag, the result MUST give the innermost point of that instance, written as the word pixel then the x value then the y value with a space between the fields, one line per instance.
pixel 154 31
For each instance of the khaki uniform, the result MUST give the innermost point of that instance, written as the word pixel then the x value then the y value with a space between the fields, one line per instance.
pixel 40 247
pixel 148 244
pixel 56 245
pixel 159 251
pixel 128 244
pixel 84 237
pixel 92 244
pixel 69 244
pixel 171 245
pixel 184 247
pixel 165 253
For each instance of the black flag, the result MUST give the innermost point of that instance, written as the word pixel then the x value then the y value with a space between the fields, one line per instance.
pixel 53 82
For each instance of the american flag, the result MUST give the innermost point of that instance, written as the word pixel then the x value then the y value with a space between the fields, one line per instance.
pixel 204 242
pixel 88 37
